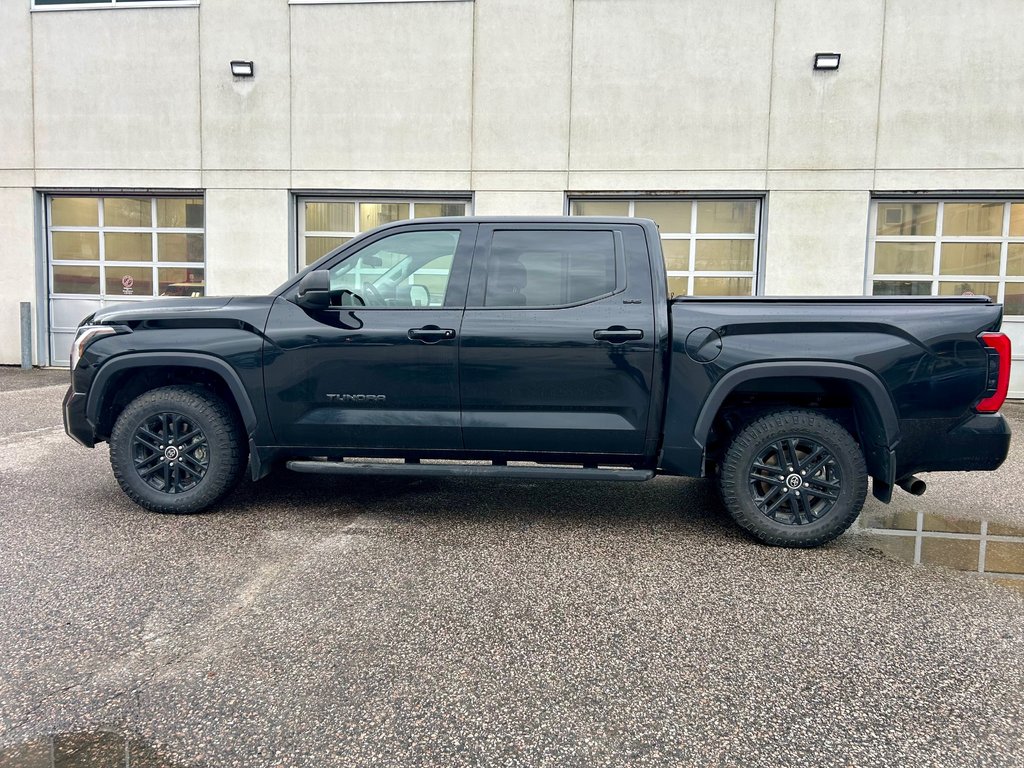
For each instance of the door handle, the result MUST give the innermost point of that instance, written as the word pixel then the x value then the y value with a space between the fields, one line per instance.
pixel 431 334
pixel 617 334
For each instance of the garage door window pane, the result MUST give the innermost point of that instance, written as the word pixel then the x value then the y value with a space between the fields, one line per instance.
pixel 1015 259
pixel 179 247
pixel 330 217
pixel 904 258
pixel 969 259
pixel 677 255
pixel 179 213
pixel 1013 303
pixel 916 219
pixel 967 219
pixel 67 279
pixel 320 246
pixel 377 214
pixel 671 216
pixel 678 286
pixel 1017 220
pixel 129 281
pixel 725 216
pixel 968 288
pixel 724 256
pixel 127 212
pixel 76 246
pixel 722 286
pixel 600 208
pixel 74 212
pixel 181 281
pixel 437 210
pixel 128 246
pixel 901 288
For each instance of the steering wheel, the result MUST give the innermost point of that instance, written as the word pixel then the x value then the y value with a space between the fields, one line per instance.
pixel 373 297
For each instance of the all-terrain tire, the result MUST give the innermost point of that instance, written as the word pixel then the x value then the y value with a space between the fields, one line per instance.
pixel 177 449
pixel 793 478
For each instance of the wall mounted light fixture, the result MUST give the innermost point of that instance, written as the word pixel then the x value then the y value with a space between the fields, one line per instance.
pixel 826 60
pixel 242 68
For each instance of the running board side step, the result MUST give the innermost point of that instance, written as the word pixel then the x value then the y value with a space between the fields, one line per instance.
pixel 470 470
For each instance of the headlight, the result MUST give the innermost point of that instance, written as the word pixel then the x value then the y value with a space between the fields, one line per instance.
pixel 86 335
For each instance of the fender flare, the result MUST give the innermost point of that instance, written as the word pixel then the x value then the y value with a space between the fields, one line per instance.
pixel 871 384
pixel 131 360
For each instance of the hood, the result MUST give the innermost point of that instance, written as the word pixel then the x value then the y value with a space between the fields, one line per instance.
pixel 156 309
pixel 182 312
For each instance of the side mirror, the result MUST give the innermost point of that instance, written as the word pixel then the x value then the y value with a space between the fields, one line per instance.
pixel 314 290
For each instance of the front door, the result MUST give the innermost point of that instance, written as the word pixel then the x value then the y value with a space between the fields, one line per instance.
pixel 379 368
pixel 557 343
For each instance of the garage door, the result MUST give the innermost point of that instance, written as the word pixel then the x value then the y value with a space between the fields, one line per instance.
pixel 116 248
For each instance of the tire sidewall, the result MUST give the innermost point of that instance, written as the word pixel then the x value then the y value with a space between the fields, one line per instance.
pixel 217 434
pixel 752 440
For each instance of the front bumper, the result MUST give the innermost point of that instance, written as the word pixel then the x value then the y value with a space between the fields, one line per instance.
pixel 76 424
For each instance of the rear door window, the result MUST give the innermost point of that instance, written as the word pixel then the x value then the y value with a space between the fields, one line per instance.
pixel 550 268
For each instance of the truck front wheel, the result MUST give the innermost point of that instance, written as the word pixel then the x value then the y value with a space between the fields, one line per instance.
pixel 794 478
pixel 177 449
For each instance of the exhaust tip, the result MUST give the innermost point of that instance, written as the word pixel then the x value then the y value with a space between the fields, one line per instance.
pixel 913 485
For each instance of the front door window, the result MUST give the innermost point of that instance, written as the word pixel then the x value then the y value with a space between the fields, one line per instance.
pixel 408 270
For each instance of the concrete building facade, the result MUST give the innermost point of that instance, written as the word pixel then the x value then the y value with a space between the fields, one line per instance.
pixel 133 162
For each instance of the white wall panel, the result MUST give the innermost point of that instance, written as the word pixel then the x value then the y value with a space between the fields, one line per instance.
pixel 668 85
pixel 382 86
pixel 117 89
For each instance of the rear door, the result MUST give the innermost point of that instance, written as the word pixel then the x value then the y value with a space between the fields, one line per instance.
pixel 557 346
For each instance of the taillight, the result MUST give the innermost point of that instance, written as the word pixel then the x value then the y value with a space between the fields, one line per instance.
pixel 998 378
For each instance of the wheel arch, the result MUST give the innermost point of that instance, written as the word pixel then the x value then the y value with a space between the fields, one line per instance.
pixel 124 377
pixel 876 424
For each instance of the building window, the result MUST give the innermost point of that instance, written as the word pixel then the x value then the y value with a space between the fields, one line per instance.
pixel 949 248
pixel 327 222
pixel 710 245
pixel 119 248
pixel 64 5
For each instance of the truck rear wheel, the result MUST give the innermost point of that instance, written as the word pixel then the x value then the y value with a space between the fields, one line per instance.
pixel 177 449
pixel 794 478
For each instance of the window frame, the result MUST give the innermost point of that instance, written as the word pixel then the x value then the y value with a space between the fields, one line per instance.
pixel 937 240
pixel 297 262
pixel 756 274
pixel 481 267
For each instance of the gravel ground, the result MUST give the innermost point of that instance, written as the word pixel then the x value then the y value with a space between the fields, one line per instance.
pixel 323 621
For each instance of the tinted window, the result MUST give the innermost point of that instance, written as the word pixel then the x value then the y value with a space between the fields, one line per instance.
pixel 549 268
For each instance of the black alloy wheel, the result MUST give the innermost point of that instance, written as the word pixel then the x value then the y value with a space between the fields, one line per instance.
pixel 178 449
pixel 795 481
pixel 793 478
pixel 170 452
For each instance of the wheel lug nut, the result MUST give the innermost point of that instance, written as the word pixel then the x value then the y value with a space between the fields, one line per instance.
pixel 803 472
pixel 796 492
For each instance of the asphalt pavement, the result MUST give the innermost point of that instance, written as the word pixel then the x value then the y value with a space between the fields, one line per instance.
pixel 318 621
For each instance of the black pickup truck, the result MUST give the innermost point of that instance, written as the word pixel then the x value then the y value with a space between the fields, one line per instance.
pixel 542 348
